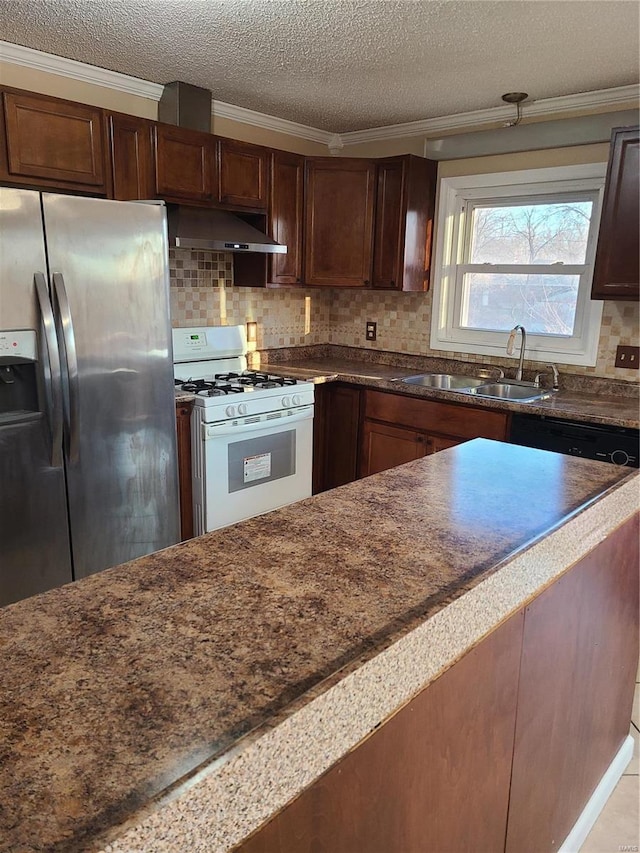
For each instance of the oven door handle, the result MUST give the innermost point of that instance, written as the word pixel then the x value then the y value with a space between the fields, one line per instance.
pixel 213 431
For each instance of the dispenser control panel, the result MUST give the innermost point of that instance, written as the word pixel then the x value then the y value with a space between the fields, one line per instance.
pixel 19 346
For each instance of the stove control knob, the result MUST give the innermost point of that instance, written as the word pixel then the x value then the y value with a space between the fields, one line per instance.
pixel 296 400
pixel 230 411
pixel 242 409
pixel 286 402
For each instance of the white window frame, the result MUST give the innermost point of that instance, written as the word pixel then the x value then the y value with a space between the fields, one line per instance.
pixel 454 196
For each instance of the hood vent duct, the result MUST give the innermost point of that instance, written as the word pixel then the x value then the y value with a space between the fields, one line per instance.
pixel 200 228
pixel 185 106
pixel 207 229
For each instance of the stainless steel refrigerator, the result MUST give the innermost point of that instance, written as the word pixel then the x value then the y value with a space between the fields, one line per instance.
pixel 88 466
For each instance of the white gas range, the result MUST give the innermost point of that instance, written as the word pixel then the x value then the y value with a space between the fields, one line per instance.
pixel 251 432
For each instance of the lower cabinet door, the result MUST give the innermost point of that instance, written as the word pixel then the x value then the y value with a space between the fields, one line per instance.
pixel 440 442
pixel 385 446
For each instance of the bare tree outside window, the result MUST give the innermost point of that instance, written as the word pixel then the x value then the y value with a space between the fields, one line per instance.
pixel 504 238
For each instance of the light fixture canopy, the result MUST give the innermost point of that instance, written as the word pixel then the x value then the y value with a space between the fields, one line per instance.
pixel 515 97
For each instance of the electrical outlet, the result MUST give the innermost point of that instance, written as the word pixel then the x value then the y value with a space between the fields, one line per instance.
pixel 371 331
pixel 628 357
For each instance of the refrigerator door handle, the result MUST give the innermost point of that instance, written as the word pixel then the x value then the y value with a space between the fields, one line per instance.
pixel 71 358
pixel 52 375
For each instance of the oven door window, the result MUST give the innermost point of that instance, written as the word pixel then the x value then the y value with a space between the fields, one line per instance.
pixel 254 461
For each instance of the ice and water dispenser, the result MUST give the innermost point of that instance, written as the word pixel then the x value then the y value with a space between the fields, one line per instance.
pixel 19 397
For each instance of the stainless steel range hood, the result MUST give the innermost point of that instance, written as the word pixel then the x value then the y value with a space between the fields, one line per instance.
pixel 206 229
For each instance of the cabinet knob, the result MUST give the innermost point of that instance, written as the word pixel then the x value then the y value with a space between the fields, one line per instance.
pixel 393 284
pixel 298 281
pixel 366 281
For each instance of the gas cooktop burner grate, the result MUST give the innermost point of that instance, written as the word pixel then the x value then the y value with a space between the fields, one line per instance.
pixel 193 385
pixel 218 390
pixel 256 379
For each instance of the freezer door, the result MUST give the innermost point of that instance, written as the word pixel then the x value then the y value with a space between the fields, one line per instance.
pixel 34 532
pixel 109 273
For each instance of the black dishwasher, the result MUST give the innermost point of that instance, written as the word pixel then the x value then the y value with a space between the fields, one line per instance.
pixel 618 445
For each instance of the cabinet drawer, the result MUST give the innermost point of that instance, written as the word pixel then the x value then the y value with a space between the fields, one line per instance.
pixel 433 416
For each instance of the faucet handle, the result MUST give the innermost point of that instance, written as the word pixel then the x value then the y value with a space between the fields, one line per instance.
pixel 556 377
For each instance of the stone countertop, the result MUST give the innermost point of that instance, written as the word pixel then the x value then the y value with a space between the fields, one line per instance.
pixel 129 693
pixel 566 404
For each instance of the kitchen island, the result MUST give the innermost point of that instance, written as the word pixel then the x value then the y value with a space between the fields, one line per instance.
pixel 179 701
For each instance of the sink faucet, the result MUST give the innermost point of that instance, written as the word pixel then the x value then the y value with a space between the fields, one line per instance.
pixel 510 343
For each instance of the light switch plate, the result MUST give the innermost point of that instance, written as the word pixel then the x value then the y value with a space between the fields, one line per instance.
pixel 371 330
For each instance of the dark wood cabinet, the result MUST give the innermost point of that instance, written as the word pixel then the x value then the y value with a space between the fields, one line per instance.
pixel 339 206
pixel 50 142
pixel 405 204
pixel 397 429
pixel 385 446
pixel 185 164
pixel 183 427
pixel 131 147
pixel 336 435
pixel 286 213
pixel 616 273
pixel 243 174
pixel 346 222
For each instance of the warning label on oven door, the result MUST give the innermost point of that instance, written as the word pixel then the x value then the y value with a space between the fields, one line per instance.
pixel 257 467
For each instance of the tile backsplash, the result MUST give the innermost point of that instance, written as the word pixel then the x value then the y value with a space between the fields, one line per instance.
pixel 202 293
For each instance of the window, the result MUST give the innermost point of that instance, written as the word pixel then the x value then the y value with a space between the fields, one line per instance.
pixel 517 248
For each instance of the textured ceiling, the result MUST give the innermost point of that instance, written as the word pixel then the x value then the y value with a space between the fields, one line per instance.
pixel 344 65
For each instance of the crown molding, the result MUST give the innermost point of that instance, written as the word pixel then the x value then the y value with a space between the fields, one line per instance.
pixel 41 61
pixel 85 73
pixel 52 64
pixel 220 109
pixel 432 126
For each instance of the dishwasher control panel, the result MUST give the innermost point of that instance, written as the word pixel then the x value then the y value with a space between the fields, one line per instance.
pixel 617 445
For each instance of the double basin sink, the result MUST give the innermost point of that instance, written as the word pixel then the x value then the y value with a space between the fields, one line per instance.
pixel 495 389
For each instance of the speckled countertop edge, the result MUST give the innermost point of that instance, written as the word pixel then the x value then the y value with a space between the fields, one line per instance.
pixel 567 405
pixel 234 795
pixel 609 409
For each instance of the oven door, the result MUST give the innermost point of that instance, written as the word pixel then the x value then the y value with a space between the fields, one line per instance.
pixel 253 467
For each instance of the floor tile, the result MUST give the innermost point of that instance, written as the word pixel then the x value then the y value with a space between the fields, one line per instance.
pixel 635 714
pixel 618 827
pixel 632 767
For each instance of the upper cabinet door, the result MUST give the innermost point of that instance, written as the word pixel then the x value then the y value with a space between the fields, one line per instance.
pixel 388 231
pixel 616 268
pixel 285 216
pixel 52 143
pixel 243 174
pixel 339 204
pixel 405 205
pixel 185 164
pixel 130 141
